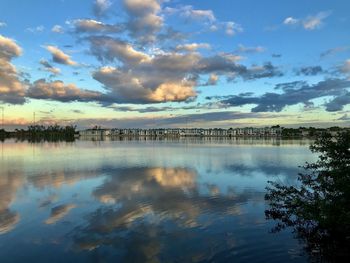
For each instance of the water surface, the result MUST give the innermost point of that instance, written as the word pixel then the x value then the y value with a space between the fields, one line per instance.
pixel 145 200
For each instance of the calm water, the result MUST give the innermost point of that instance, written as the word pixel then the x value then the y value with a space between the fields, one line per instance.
pixel 144 201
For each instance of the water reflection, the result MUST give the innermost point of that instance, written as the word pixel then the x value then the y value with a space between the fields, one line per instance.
pixel 142 201
pixel 58 212
pixel 155 206
pixel 10 182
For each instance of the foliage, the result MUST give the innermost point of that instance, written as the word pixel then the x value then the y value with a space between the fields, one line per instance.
pixel 38 133
pixel 318 208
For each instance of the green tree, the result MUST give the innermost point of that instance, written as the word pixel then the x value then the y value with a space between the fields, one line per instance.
pixel 318 207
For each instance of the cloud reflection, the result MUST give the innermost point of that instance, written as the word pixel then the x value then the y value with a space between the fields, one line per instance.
pixel 59 212
pixel 10 182
pixel 140 203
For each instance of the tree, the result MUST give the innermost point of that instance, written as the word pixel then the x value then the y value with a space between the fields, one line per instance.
pixel 318 207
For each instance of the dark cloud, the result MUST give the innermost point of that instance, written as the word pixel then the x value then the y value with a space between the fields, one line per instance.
pixel 268 70
pixel 294 93
pixel 198 106
pixel 58 56
pixel 334 51
pixel 59 212
pixel 345 117
pixel 57 90
pixel 48 67
pixel 78 111
pixel 195 120
pixel 170 34
pixel 274 55
pixel 339 102
pixel 310 71
pixel 226 64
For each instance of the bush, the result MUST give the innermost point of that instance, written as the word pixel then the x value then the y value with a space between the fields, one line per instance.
pixel 318 207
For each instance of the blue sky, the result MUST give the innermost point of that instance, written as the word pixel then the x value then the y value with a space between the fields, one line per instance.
pixel 133 63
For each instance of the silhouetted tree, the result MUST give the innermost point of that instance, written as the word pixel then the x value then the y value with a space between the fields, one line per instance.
pixel 318 207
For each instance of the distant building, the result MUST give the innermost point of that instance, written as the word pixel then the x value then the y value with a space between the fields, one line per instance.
pixel 190 132
pixel 95 132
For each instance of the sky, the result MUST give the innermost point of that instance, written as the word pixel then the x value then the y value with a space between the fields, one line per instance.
pixel 175 63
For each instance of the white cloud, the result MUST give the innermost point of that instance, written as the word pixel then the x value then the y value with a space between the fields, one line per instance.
pixel 192 47
pixel 57 29
pixel 232 28
pixel 189 12
pixel 314 22
pixel 2 24
pixel 311 22
pixel 37 29
pixel 290 21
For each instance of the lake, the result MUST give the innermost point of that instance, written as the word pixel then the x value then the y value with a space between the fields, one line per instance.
pixel 186 200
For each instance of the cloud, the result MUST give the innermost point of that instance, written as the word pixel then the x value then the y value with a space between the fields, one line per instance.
pixel 243 49
pixel 58 212
pixel 163 76
pixel 274 55
pixel 100 7
pixel 57 29
pixel 8 221
pixel 192 47
pixel 346 67
pixel 59 91
pixel 345 117
pixel 170 34
pixel 232 28
pixel 334 51
pixel 12 90
pixel 338 103
pixel 213 80
pixel 309 71
pixel 144 21
pixel 38 29
pixel 111 49
pixel 208 119
pixel 197 14
pixel 8 48
pixel 11 180
pixel 206 17
pixel 290 21
pixel 294 93
pixel 198 106
pixel 2 24
pixel 60 57
pixel 314 22
pixel 48 67
pixel 129 87
pixel 311 22
pixel 93 26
